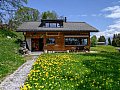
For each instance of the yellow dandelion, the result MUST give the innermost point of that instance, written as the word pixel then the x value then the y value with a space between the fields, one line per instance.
pixel 46 74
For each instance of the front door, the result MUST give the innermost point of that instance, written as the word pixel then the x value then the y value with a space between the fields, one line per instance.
pixel 37 44
pixel 41 44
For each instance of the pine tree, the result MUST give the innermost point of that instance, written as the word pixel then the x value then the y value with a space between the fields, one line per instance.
pixel 116 40
pixel 109 41
pixel 113 41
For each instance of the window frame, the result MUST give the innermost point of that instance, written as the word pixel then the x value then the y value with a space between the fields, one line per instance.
pixel 49 40
pixel 74 42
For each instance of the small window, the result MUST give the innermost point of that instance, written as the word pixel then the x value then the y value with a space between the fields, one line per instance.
pixel 50 41
pixel 53 25
pixel 47 25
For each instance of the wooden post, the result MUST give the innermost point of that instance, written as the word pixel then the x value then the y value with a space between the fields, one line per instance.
pixel 89 41
pixel 44 41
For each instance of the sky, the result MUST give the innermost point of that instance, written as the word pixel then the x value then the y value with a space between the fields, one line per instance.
pixel 102 14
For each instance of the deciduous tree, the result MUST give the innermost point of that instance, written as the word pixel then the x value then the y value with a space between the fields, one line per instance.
pixel 93 40
pixel 49 15
pixel 10 6
pixel 25 14
pixel 101 39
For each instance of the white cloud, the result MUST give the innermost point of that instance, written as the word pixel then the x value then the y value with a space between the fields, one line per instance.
pixel 113 13
pixel 107 33
pixel 111 8
pixel 115 26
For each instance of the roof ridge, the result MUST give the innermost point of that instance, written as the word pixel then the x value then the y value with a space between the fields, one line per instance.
pixel 75 22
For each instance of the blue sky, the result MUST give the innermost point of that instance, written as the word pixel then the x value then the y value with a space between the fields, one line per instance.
pixel 102 14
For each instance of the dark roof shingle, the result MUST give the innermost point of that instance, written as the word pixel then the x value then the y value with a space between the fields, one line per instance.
pixel 67 26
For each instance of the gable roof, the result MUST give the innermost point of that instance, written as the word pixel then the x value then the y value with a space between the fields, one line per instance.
pixel 67 26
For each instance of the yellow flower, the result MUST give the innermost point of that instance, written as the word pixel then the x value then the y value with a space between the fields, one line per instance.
pixel 43 79
pixel 46 74
pixel 41 86
pixel 24 88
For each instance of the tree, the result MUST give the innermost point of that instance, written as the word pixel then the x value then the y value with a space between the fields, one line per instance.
pixel 101 39
pixel 49 15
pixel 24 14
pixel 116 40
pixel 44 15
pixel 113 41
pixel 109 41
pixel 10 6
pixel 1 22
pixel 93 40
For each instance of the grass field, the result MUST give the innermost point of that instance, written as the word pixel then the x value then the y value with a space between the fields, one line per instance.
pixel 103 48
pixel 76 71
pixel 10 60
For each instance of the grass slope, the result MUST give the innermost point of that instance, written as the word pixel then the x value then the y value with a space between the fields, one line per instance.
pixel 10 60
pixel 76 71
pixel 102 48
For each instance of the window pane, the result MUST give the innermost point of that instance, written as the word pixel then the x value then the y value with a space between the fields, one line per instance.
pixel 50 41
pixel 75 41
pixel 84 42
pixel 46 24
pixel 52 25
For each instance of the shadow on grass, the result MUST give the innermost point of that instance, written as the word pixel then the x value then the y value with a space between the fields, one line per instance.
pixel 105 73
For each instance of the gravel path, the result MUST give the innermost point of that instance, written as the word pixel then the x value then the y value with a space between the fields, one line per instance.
pixel 15 80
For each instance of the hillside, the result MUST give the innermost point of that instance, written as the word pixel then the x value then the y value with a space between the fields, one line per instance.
pixel 10 59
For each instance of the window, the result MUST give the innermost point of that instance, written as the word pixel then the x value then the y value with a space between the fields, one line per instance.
pixel 52 25
pixel 84 42
pixel 47 25
pixel 50 41
pixel 76 41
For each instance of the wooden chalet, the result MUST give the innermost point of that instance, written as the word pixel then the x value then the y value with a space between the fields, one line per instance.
pixel 57 35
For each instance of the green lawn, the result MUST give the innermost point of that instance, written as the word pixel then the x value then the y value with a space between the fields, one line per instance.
pixel 76 71
pixel 103 48
pixel 10 60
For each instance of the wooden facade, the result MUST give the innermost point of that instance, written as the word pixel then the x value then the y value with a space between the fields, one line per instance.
pixel 59 38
